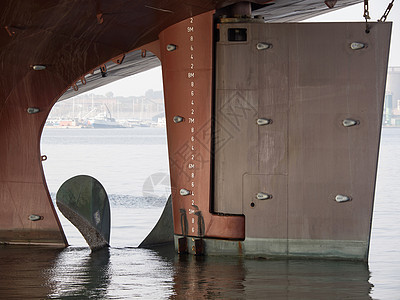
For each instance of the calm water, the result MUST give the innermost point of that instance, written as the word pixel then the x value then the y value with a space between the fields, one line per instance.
pixel 132 165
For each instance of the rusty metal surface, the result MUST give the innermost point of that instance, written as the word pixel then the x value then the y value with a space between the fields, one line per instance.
pixel 336 159
pixel 187 76
pixel 74 36
pixel 132 64
pixel 23 190
pixel 307 84
pixel 71 39
pixel 68 40
pixel 265 218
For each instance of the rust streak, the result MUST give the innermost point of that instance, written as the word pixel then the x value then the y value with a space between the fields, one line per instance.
pixel 159 9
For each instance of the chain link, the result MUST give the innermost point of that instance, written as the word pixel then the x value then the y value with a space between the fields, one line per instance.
pixel 366 11
pixel 387 11
pixel 366 15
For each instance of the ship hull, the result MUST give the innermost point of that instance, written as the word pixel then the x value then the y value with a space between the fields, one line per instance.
pixel 273 129
pixel 99 125
pixel 280 158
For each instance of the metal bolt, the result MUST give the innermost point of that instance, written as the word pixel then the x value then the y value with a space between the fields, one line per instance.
pixel 263 196
pixel 263 46
pixel 184 192
pixel 38 67
pixel 350 122
pixel 342 198
pixel 262 122
pixel 171 47
pixel 35 218
pixel 357 46
pixel 178 119
pixel 33 110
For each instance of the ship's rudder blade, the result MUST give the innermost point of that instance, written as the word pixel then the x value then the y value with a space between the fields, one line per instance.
pixel 163 231
pixel 84 202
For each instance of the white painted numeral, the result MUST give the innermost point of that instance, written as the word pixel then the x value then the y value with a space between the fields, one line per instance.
pixel 191 76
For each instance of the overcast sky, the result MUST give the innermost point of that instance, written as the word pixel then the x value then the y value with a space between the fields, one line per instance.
pixel 137 85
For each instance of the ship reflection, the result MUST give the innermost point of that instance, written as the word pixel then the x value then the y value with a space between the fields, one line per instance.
pixel 78 276
pixel 232 278
pixel 25 271
pixel 126 273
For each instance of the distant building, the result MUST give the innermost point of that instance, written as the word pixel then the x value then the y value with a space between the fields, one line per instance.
pixel 391 112
pixel 85 106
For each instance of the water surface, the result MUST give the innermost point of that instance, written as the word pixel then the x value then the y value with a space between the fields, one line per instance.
pixel 124 160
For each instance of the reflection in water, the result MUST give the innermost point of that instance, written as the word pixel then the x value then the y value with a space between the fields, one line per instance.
pixel 114 273
pixel 229 277
pixel 308 279
pixel 208 277
pixel 126 273
pixel 24 271
pixel 87 277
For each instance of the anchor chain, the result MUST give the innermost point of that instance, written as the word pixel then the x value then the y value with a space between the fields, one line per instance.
pixel 387 11
pixel 366 15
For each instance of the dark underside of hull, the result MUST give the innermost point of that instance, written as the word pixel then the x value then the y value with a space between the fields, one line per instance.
pixel 73 38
